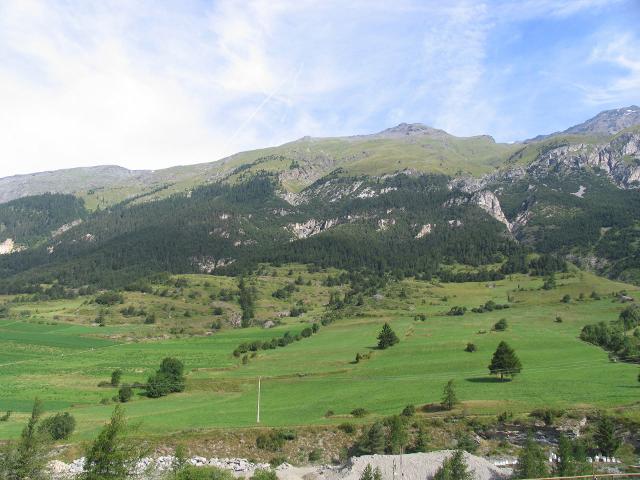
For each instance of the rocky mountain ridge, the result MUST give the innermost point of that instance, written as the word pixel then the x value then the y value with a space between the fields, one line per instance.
pixel 312 201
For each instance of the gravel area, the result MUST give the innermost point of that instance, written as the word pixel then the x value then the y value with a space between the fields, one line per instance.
pixel 415 466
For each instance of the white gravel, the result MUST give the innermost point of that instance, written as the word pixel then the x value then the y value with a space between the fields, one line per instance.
pixel 415 466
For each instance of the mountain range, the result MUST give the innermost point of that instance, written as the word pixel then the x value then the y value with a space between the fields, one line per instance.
pixel 419 199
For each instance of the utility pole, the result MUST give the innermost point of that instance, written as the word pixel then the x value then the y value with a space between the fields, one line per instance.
pixel 258 415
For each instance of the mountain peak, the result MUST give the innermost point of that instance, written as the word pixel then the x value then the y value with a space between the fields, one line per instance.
pixel 408 130
pixel 609 122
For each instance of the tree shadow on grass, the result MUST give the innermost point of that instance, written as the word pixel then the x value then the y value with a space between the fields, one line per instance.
pixel 487 380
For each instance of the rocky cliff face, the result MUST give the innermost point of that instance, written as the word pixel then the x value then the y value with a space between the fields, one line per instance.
pixel 619 159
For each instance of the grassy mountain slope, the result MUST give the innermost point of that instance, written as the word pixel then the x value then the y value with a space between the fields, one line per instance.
pixel 54 350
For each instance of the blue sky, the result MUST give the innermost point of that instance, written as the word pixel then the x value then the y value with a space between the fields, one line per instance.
pixel 156 83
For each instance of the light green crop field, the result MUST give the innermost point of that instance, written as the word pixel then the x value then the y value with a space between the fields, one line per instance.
pixel 61 361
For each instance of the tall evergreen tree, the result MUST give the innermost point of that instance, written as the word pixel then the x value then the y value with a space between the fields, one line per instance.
pixel 367 473
pixel 566 465
pixel 532 461
pixel 606 436
pixel 505 362
pixel 387 337
pixel 26 459
pixel 449 398
pixel 112 455
pixel 454 468
pixel 373 440
pixel 398 436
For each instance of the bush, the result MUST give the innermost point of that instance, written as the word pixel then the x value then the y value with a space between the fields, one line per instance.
pixel 409 411
pixel 116 375
pixel 125 393
pixel 348 428
pixel 359 412
pixel 6 416
pixel 272 441
pixel 264 475
pixel 315 455
pixel 547 415
pixel 191 472
pixel 471 347
pixel 501 325
pixel 109 298
pixel 457 311
pixel 168 379
pixel 60 426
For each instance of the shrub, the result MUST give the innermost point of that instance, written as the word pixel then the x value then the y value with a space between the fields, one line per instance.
pixel 359 412
pixel 409 411
pixel 125 393
pixel 315 455
pixel 566 298
pixel 6 416
pixel 116 375
pixel 500 325
pixel 471 347
pixel 264 475
pixel 547 415
pixel 191 472
pixel 60 426
pixel 457 311
pixel 272 441
pixel 168 379
pixel 109 298
pixel 275 462
pixel 348 428
pixel 558 320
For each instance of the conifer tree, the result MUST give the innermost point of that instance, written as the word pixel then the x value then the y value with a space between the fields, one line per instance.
pixel 505 362
pixel 449 398
pixel 532 462
pixel 387 337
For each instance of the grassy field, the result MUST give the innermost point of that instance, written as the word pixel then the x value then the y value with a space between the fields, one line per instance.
pixel 53 350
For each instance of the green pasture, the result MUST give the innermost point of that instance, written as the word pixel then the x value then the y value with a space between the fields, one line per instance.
pixel 62 363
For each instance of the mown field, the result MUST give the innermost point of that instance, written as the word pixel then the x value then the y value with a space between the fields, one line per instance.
pixel 54 351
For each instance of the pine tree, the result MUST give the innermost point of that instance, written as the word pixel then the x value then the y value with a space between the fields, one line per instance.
pixel 367 473
pixel 377 474
pixel 566 465
pixel 26 459
pixel 454 468
pixel 532 462
pixel 398 436
pixel 373 440
pixel 449 398
pixel 112 456
pixel 606 436
pixel 505 362
pixel 387 337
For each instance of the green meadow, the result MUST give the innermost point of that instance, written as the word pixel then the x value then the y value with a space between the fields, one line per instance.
pixel 54 351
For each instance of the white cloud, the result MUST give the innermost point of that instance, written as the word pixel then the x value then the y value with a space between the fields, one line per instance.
pixel 623 52
pixel 131 83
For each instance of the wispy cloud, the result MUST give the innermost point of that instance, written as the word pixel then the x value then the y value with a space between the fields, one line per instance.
pixel 621 51
pixel 150 84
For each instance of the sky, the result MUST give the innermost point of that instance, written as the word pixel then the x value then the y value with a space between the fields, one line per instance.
pixel 148 84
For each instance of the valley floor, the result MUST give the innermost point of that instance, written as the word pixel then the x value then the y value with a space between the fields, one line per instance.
pixel 52 350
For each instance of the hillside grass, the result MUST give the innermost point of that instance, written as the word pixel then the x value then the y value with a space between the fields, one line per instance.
pixel 61 361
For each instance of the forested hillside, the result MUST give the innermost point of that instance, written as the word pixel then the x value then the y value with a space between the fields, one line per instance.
pixel 410 200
